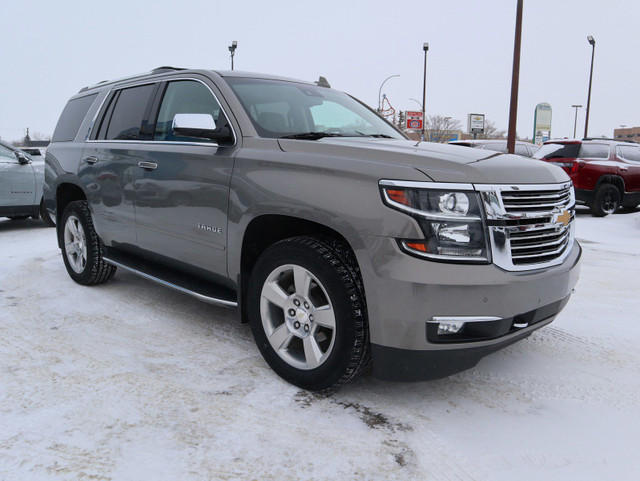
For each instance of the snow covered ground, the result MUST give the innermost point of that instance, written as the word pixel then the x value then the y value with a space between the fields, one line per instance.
pixel 132 381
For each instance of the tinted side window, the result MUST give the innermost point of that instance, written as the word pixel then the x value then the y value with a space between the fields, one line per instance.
pixel 128 113
pixel 71 118
pixel 629 153
pixel 185 97
pixel 558 151
pixel 594 151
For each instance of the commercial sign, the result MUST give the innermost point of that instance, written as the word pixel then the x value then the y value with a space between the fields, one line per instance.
pixel 414 120
pixel 475 123
pixel 542 123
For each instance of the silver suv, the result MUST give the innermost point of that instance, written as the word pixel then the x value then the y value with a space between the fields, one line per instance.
pixel 338 239
pixel 21 178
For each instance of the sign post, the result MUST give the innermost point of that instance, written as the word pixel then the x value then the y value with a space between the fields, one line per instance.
pixel 475 124
pixel 414 120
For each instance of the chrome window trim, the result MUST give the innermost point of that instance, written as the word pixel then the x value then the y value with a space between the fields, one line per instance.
pixel 161 142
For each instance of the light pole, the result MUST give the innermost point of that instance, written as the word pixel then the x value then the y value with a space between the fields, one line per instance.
pixel 418 102
pixel 592 41
pixel 425 48
pixel 380 91
pixel 232 49
pixel 575 122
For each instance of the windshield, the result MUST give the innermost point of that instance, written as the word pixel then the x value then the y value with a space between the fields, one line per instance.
pixel 287 109
pixel 558 151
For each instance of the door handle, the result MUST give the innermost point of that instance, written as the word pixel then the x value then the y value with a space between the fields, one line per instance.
pixel 148 165
pixel 91 159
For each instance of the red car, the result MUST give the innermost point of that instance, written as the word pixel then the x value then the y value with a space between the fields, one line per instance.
pixel 605 173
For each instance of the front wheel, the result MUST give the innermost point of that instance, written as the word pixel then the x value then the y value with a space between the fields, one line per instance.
pixel 308 314
pixel 81 249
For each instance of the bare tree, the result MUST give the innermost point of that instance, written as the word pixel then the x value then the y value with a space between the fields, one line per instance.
pixel 439 127
pixel 491 131
pixel 40 136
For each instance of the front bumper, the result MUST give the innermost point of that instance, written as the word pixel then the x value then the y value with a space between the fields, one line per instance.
pixel 403 293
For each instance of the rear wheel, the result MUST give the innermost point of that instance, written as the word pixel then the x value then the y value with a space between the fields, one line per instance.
pixel 307 312
pixel 81 248
pixel 606 201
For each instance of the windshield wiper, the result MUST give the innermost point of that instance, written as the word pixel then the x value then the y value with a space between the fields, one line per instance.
pixel 311 135
pixel 377 136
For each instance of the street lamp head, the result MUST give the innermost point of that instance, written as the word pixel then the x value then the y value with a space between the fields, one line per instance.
pixel 425 46
pixel 233 46
pixel 591 40
pixel 577 106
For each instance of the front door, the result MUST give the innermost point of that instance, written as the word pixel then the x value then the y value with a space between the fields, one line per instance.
pixel 17 182
pixel 181 197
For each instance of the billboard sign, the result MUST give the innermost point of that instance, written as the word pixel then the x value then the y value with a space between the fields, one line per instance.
pixel 475 123
pixel 542 123
pixel 414 120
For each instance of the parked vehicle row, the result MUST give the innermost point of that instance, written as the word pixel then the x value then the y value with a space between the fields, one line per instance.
pixel 605 173
pixel 21 179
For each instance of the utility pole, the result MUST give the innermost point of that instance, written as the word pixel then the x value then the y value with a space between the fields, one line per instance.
pixel 515 79
pixel 425 48
pixel 592 41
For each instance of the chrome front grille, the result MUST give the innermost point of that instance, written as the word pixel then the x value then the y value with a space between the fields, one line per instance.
pixel 533 201
pixel 530 226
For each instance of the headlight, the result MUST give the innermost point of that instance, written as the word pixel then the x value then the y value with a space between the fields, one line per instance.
pixel 451 220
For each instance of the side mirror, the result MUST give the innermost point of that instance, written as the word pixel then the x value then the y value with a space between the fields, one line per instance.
pixel 22 158
pixel 200 126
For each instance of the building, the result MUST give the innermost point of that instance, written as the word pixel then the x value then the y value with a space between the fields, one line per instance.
pixel 627 133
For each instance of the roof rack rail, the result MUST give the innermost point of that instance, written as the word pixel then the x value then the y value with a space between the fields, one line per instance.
pixel 611 140
pixel 158 70
pixel 166 68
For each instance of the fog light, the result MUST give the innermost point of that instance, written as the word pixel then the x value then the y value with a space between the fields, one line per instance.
pixel 449 327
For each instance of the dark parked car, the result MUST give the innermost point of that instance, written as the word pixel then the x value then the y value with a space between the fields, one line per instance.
pixel 522 148
pixel 338 239
pixel 605 173
pixel 21 179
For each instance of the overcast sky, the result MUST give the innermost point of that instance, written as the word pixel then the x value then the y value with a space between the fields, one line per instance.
pixel 51 49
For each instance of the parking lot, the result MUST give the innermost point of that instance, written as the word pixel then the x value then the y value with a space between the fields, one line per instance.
pixel 131 381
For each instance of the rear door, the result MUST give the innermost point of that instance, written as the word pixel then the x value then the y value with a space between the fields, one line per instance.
pixel 629 156
pixel 17 183
pixel 181 199
pixel 110 162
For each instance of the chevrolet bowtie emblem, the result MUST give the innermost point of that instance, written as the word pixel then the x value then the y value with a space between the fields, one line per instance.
pixel 565 218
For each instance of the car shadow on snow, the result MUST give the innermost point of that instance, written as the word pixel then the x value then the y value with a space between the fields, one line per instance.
pixel 7 225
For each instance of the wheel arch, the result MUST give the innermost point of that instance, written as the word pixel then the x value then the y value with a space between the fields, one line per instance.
pixel 265 230
pixel 616 180
pixel 66 192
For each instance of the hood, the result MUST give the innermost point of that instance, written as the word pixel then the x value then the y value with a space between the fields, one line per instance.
pixel 440 162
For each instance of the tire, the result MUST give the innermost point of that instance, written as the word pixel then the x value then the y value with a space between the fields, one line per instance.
pixel 81 248
pixel 318 324
pixel 606 201
pixel 44 215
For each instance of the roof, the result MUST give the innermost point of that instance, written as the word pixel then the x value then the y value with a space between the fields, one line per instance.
pixel 167 69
